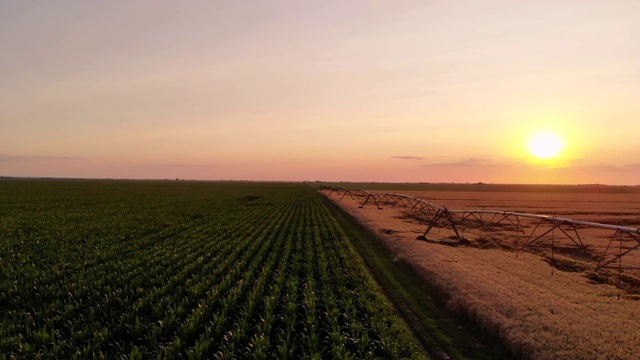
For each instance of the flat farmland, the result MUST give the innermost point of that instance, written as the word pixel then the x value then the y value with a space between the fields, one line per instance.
pixel 599 206
pixel 612 208
pixel 163 269
pixel 542 302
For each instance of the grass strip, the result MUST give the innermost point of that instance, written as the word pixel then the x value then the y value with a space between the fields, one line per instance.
pixel 441 334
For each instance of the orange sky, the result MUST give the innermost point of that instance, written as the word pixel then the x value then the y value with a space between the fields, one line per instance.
pixel 403 91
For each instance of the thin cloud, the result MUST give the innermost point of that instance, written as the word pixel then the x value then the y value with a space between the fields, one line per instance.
pixel 614 168
pixel 408 157
pixel 474 161
pixel 178 166
pixel 5 158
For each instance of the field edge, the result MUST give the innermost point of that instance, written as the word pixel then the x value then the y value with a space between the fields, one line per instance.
pixel 442 334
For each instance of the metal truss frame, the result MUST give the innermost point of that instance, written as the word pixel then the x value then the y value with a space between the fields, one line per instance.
pixel 546 224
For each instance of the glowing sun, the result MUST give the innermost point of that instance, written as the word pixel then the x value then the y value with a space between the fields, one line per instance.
pixel 545 145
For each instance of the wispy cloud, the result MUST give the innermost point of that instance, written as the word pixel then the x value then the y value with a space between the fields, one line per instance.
pixel 474 161
pixel 408 157
pixel 5 158
pixel 615 168
pixel 177 166
pixel 531 163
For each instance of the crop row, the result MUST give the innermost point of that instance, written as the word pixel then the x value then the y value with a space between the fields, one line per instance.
pixel 246 271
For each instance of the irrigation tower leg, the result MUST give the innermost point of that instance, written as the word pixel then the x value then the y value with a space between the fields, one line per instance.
pixel 435 218
pixel 440 213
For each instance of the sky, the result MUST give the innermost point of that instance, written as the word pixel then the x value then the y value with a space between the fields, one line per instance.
pixel 394 91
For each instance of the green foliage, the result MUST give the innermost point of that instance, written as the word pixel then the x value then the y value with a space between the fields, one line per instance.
pixel 138 270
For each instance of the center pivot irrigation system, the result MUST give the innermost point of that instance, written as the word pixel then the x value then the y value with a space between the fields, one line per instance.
pixel 529 229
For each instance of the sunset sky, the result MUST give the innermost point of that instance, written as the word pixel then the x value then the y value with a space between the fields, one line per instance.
pixel 402 91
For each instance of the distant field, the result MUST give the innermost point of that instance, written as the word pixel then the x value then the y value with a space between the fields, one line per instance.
pixel 112 269
pixel 541 303
pixel 615 208
pixel 491 188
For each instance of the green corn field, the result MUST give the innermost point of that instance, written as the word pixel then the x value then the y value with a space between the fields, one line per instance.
pixel 160 269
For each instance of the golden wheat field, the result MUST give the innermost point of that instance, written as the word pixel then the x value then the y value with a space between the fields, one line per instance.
pixel 539 311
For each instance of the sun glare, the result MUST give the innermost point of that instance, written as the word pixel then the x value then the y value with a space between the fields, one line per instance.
pixel 545 145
